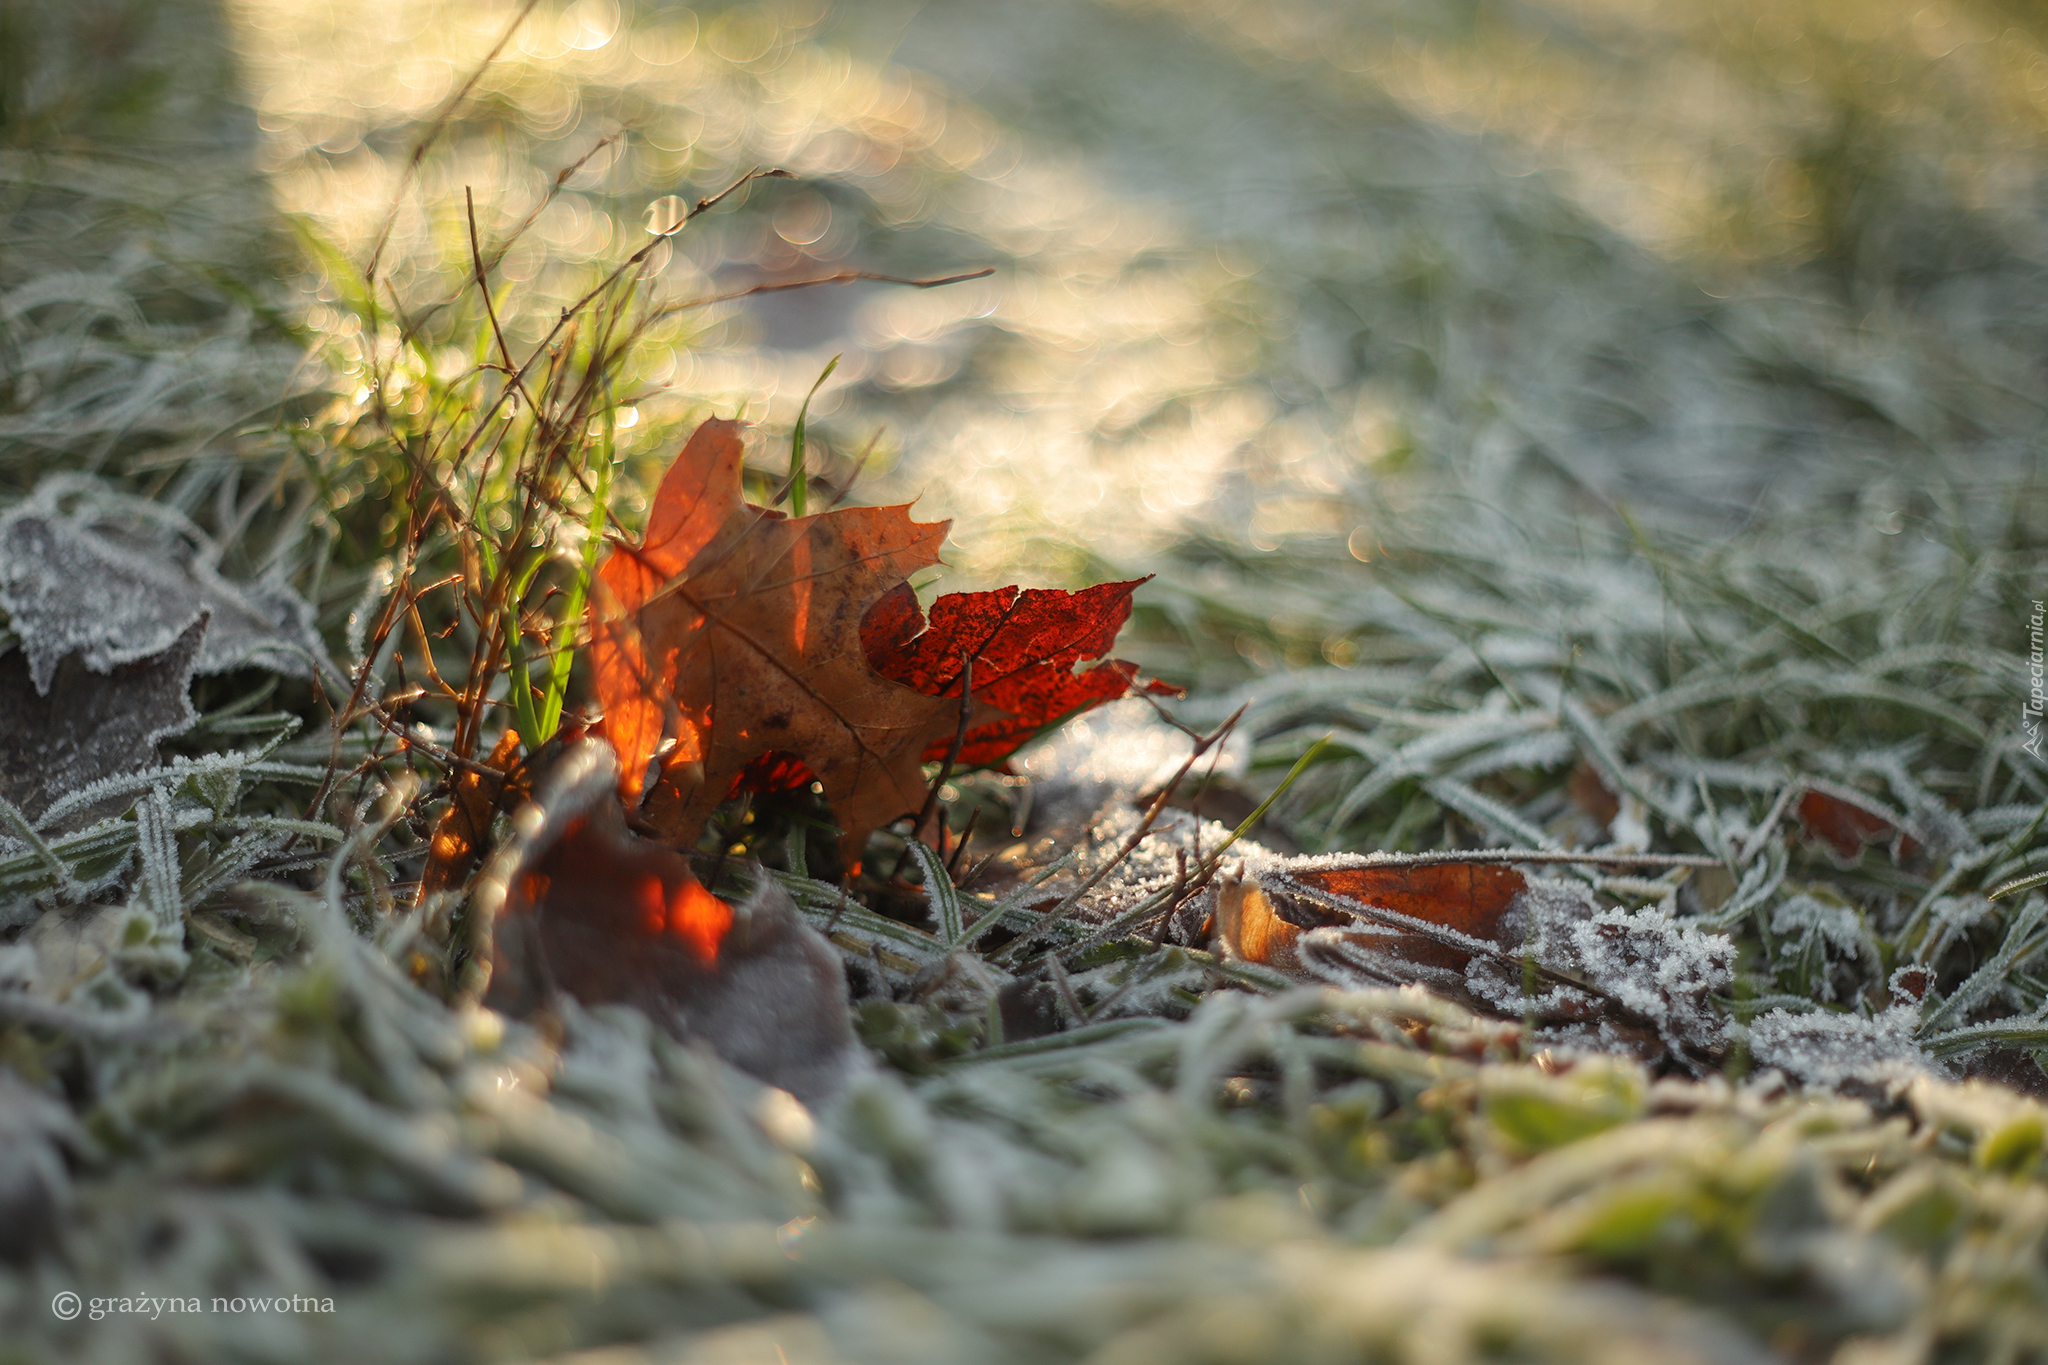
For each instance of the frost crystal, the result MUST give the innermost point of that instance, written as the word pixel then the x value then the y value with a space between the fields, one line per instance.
pixel 1832 936
pixel 1088 782
pixel 1827 1049
pixel 1658 970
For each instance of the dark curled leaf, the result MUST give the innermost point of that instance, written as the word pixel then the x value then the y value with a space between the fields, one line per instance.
pixel 35 1185
pixel 588 909
pixel 90 725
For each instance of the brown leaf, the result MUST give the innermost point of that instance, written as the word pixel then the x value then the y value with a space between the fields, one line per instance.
pixel 1590 793
pixel 1841 825
pixel 1403 922
pixel 592 911
pixel 1251 929
pixel 737 631
pixel 1484 935
pixel 1846 825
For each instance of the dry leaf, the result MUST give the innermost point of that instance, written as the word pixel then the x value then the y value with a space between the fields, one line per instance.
pixel 1845 826
pixel 737 631
pixel 88 571
pixel 587 908
pixel 90 725
pixel 1486 936
pixel 1398 923
pixel 1590 793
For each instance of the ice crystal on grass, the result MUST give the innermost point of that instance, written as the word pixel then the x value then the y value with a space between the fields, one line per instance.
pixel 1258 1178
pixel 1823 945
pixel 1831 1050
pixel 1659 972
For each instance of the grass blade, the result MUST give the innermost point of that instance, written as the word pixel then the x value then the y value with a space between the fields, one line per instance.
pixel 798 490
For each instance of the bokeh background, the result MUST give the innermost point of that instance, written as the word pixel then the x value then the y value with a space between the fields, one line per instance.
pixel 1252 260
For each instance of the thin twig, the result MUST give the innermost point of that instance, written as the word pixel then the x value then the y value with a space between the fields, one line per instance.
pixel 1173 897
pixel 1066 989
pixel 966 833
pixel 437 126
pixel 843 277
pixel 1130 845
pixel 931 796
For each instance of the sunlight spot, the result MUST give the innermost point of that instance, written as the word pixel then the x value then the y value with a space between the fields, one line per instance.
pixel 590 24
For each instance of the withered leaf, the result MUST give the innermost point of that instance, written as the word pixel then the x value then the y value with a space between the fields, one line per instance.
pixel 1399 922
pixel 87 571
pixel 591 910
pixel 737 631
pixel 1590 793
pixel 1485 935
pixel 1845 826
pixel 90 725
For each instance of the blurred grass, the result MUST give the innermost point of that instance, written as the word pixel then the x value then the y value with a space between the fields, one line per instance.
pixel 1510 388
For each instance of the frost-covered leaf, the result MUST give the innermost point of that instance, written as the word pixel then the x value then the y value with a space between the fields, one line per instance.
pixel 1487 935
pixel 1823 1048
pixel 55 741
pixel 115 580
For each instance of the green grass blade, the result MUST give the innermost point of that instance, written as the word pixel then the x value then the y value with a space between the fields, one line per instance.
pixel 572 604
pixel 798 491
pixel 940 892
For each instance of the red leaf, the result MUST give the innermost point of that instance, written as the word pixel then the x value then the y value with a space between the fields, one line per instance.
pixel 1024 644
pixel 1846 826
pixel 733 630
pixel 737 629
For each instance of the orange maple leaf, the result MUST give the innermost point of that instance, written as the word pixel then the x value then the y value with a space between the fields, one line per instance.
pixel 737 630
